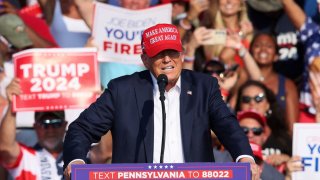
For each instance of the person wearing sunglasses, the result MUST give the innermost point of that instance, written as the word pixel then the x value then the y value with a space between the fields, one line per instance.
pixel 254 95
pixel 42 161
pixel 252 124
pixel 257 98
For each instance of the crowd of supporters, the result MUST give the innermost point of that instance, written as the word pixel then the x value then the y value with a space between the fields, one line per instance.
pixel 265 54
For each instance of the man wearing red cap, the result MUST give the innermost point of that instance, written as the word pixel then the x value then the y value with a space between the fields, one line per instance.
pixel 42 161
pixel 131 109
pixel 253 125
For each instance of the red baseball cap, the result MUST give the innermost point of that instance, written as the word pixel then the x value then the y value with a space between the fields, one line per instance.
pixel 256 149
pixel 160 37
pixel 252 114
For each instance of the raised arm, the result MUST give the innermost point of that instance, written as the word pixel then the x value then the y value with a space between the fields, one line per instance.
pixel 251 67
pixel 196 7
pixel 295 13
pixel 47 7
pixel 85 8
pixel 198 36
pixel 9 148
pixel 37 41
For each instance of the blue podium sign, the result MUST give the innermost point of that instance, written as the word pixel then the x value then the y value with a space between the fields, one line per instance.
pixel 228 171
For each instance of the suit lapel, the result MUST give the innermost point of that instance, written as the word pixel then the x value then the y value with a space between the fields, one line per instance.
pixel 144 98
pixel 186 113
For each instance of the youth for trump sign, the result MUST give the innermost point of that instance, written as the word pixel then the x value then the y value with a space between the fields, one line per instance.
pixel 56 79
pixel 306 144
pixel 118 31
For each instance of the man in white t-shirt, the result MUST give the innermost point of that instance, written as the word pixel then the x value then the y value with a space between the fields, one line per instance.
pixel 44 160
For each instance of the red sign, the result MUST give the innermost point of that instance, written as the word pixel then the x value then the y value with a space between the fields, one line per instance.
pixel 56 79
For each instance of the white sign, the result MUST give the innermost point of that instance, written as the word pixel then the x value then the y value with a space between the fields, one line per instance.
pixel 117 31
pixel 306 144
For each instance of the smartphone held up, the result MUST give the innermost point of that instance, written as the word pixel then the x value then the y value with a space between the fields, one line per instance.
pixel 216 37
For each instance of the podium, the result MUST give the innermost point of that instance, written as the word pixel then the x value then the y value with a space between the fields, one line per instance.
pixel 227 171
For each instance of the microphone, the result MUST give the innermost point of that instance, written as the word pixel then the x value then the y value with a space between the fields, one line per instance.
pixel 162 81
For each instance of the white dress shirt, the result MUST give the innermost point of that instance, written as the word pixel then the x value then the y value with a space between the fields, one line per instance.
pixel 173 152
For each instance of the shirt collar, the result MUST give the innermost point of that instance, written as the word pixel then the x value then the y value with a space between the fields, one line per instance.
pixel 156 87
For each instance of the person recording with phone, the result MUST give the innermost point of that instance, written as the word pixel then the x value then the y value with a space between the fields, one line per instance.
pixel 131 109
pixel 230 74
pixel 208 38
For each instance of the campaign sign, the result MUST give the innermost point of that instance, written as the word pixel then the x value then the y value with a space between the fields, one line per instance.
pixel 118 31
pixel 162 171
pixel 56 79
pixel 306 144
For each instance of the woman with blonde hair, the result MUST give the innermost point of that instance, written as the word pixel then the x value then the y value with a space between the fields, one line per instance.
pixel 230 18
pixel 235 24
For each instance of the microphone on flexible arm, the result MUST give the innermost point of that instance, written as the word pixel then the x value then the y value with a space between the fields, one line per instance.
pixel 162 81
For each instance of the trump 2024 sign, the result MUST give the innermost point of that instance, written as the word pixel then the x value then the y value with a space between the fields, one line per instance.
pixel 56 79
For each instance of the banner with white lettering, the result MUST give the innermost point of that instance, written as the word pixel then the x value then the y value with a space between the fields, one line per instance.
pixel 229 171
pixel 306 144
pixel 118 31
pixel 56 78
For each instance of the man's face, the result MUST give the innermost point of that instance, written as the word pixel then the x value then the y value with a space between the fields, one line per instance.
pixel 168 62
pixel 253 130
pixel 134 4
pixel 50 135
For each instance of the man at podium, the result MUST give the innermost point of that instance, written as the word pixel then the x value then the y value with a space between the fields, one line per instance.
pixel 131 109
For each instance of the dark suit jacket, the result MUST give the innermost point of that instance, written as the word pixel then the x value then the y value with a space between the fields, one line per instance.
pixel 126 108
